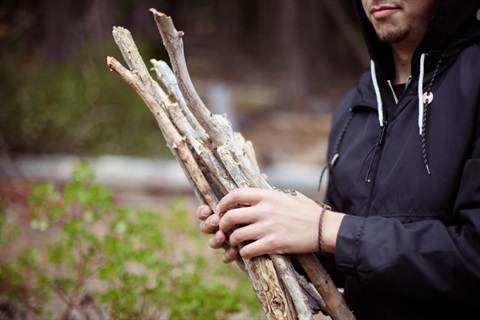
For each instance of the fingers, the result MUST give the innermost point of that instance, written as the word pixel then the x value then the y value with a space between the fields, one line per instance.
pixel 252 250
pixel 203 212
pixel 217 241
pixel 230 255
pixel 208 221
pixel 209 224
pixel 240 196
pixel 253 241
pixel 236 217
pixel 246 233
pixel 247 219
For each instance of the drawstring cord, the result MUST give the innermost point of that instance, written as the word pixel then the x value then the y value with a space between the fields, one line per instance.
pixel 336 150
pixel 425 102
pixel 378 95
pixel 421 105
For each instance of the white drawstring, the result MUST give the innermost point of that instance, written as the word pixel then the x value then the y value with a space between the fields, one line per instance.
pixel 421 104
pixel 377 92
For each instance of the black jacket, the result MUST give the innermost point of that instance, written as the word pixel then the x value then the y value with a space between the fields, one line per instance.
pixel 409 247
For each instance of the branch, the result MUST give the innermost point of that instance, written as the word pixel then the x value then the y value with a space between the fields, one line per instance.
pixel 217 160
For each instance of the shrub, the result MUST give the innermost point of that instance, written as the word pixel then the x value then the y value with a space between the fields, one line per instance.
pixel 89 255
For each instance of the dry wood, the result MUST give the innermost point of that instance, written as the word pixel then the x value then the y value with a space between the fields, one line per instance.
pixel 217 160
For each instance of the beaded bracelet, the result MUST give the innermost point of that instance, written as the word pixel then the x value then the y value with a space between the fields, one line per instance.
pixel 320 223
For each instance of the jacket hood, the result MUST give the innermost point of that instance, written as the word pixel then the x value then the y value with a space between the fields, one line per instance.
pixel 454 25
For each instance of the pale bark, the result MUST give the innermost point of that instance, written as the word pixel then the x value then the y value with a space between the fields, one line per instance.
pixel 217 160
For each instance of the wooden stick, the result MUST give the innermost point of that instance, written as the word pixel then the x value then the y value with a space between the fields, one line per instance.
pixel 336 306
pixel 260 270
pixel 217 160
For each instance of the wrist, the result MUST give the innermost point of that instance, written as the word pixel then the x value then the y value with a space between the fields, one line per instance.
pixel 329 232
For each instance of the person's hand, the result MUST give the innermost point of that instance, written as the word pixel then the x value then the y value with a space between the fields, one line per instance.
pixel 209 225
pixel 272 222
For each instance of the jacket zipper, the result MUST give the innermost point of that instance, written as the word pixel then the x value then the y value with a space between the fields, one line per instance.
pixel 380 140
pixel 377 161
pixel 385 123
pixel 377 146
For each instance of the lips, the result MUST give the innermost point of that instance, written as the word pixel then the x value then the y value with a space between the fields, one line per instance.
pixel 383 11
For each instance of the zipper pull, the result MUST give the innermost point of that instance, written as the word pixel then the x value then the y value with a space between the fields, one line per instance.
pixel 382 133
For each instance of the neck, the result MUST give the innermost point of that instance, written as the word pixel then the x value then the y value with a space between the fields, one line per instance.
pixel 402 57
pixel 403 66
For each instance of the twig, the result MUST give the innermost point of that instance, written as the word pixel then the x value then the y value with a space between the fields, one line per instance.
pixel 217 160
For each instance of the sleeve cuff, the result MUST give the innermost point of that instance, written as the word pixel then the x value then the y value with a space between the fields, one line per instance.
pixel 348 243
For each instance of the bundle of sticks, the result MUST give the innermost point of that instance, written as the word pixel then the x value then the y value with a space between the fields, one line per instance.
pixel 217 160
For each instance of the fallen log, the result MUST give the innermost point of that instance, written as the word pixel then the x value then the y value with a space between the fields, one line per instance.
pixel 217 160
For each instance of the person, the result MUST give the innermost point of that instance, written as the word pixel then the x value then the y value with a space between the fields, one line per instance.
pixel 402 236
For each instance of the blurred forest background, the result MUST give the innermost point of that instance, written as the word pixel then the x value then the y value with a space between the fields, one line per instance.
pixel 277 68
pixel 251 59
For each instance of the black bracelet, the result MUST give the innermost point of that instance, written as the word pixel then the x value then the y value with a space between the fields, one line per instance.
pixel 320 223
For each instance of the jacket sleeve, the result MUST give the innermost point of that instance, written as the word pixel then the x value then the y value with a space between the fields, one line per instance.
pixel 422 260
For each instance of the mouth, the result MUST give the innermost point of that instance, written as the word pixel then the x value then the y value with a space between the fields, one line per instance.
pixel 381 12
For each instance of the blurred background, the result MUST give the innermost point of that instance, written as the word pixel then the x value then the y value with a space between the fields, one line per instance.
pixel 276 68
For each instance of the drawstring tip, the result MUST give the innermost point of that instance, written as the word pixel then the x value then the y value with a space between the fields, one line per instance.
pixel 321 178
pixel 428 170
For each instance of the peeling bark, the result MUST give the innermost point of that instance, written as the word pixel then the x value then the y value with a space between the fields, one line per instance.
pixel 217 160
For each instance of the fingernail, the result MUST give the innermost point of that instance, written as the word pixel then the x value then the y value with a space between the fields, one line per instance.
pixel 214 221
pixel 205 212
pixel 218 237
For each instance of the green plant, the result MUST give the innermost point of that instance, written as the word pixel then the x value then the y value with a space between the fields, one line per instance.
pixel 126 262
pixel 77 106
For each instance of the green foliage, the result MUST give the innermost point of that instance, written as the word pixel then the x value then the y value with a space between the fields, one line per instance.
pixel 76 107
pixel 128 261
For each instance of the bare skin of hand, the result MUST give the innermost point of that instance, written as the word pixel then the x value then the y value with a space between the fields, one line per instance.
pixel 209 224
pixel 269 222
